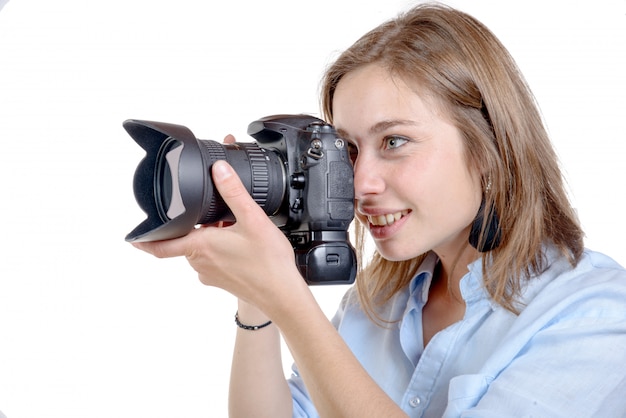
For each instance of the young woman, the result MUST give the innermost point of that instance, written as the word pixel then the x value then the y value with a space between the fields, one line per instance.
pixel 480 299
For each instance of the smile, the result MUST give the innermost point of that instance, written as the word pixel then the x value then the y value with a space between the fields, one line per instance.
pixel 386 220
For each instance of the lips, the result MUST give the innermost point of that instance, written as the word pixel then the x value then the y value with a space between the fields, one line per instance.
pixel 386 219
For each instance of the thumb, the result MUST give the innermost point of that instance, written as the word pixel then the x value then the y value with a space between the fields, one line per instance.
pixel 232 190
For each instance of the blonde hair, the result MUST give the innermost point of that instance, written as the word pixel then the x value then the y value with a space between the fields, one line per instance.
pixel 466 69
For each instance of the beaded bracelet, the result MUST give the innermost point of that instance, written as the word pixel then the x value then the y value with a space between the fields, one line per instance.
pixel 249 327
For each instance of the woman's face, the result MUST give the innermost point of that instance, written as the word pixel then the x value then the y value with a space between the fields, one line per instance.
pixel 413 188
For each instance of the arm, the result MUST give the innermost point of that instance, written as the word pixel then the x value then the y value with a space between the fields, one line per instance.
pixel 232 259
pixel 257 382
pixel 337 383
pixel 265 276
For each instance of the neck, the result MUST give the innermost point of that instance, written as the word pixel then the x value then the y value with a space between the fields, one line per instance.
pixel 451 270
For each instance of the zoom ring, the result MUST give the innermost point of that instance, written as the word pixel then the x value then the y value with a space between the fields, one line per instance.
pixel 215 150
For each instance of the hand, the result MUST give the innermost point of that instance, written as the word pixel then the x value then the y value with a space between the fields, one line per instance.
pixel 252 258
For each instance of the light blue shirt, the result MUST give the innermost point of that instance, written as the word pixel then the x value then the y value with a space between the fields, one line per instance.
pixel 564 355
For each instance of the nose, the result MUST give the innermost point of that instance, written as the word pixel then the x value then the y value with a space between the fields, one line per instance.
pixel 368 177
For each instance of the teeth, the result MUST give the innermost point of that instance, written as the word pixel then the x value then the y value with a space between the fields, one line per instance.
pixel 386 220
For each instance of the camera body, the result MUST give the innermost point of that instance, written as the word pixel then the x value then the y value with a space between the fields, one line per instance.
pixel 298 171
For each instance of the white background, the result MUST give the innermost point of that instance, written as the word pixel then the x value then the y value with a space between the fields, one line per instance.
pixel 89 326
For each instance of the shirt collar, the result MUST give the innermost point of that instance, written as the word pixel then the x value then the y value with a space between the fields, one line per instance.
pixel 424 276
pixel 472 285
pixel 473 289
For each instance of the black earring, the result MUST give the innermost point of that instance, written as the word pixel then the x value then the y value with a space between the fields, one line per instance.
pixel 491 235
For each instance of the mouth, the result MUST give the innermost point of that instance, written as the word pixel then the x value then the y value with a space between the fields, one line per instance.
pixel 386 219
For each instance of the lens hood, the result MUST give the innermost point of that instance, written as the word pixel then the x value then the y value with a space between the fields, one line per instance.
pixel 190 172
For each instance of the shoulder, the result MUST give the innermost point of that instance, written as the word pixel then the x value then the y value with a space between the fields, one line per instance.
pixel 592 261
pixel 595 286
pixel 594 272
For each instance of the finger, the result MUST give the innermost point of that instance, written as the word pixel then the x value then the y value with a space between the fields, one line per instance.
pixel 218 224
pixel 229 139
pixel 164 249
pixel 233 191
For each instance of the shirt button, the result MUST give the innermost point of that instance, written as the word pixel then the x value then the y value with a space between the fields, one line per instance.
pixel 415 401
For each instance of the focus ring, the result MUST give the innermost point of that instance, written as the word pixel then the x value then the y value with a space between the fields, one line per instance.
pixel 215 205
pixel 259 173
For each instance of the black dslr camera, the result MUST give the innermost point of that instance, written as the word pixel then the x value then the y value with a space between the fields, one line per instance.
pixel 298 171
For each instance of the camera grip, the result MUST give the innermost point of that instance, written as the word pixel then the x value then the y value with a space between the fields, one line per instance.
pixel 325 263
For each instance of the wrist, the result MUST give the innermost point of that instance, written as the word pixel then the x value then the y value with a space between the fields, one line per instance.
pixel 249 327
pixel 250 314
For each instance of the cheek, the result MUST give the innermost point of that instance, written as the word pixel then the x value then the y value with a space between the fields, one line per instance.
pixel 451 191
pixel 463 198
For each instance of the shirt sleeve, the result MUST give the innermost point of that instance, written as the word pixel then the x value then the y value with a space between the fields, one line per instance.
pixel 302 405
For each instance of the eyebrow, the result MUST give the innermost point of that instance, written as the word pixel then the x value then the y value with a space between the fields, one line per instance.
pixel 381 126
pixel 386 124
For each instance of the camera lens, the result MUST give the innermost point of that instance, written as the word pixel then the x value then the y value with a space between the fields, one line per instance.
pixel 174 187
pixel 261 171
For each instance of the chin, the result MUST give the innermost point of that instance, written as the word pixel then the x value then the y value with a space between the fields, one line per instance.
pixel 396 254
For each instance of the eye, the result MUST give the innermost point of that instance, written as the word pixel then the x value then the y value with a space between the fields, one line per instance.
pixel 392 142
pixel 353 151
